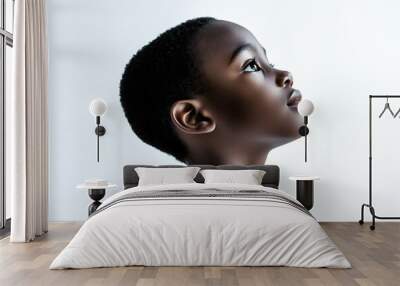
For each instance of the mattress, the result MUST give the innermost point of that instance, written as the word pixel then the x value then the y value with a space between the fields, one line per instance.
pixel 201 225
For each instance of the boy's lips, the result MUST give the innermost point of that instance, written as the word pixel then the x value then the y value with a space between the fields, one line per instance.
pixel 294 98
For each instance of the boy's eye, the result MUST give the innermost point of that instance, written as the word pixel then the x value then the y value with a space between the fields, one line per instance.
pixel 251 66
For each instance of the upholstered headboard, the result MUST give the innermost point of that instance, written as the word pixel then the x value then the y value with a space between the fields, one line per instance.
pixel 270 179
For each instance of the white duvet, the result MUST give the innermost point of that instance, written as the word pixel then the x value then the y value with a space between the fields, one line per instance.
pixel 200 231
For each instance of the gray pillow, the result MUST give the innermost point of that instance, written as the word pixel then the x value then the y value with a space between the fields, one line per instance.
pixel 161 176
pixel 248 177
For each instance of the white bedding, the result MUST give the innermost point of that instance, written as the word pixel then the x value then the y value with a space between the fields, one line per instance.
pixel 182 231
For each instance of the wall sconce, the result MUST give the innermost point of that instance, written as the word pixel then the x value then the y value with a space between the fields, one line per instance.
pixel 97 108
pixel 305 108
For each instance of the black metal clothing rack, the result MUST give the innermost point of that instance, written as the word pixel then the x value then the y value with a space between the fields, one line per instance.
pixel 369 205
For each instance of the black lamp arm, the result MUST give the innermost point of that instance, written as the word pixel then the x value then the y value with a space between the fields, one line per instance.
pixel 303 131
pixel 100 131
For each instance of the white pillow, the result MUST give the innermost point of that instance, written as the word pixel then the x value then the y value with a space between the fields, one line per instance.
pixel 161 176
pixel 248 177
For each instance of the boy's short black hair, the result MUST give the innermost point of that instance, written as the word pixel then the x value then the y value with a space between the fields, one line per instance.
pixel 159 74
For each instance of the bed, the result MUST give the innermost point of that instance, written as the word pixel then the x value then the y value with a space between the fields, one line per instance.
pixel 201 224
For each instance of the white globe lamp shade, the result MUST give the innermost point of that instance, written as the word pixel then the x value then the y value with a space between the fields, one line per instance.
pixel 305 107
pixel 97 107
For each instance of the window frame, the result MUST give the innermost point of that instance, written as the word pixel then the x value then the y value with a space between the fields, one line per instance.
pixel 6 39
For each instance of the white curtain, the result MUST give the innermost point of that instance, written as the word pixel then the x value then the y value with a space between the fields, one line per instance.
pixel 27 123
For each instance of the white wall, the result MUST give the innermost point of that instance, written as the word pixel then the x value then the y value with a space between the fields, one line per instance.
pixel 338 51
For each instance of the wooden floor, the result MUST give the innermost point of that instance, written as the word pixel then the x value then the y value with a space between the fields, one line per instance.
pixel 374 255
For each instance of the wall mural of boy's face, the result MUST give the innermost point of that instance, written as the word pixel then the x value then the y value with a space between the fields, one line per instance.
pixel 242 110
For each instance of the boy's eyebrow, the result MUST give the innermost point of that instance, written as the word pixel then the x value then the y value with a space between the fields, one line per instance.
pixel 242 47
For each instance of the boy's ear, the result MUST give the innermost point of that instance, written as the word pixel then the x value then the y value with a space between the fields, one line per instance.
pixel 191 117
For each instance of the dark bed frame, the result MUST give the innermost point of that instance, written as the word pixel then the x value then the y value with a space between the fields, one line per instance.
pixel 270 179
